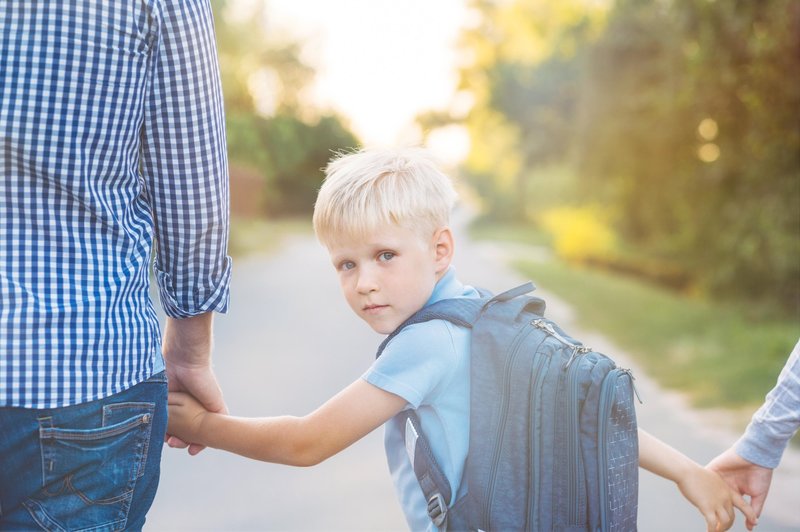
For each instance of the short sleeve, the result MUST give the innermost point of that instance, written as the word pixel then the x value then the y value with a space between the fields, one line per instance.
pixel 415 362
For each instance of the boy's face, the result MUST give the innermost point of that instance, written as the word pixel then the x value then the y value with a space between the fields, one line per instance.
pixel 389 275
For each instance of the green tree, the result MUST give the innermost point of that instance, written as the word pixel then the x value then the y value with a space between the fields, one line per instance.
pixel 692 125
pixel 680 117
pixel 526 63
pixel 271 131
pixel 299 151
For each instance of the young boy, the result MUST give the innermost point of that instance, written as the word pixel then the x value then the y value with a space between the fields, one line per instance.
pixel 383 216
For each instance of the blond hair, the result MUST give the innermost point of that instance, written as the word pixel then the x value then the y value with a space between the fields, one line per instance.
pixel 371 188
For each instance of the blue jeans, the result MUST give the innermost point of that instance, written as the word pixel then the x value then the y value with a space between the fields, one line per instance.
pixel 93 466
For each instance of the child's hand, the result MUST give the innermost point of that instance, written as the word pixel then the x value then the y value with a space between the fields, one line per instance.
pixel 186 417
pixel 714 498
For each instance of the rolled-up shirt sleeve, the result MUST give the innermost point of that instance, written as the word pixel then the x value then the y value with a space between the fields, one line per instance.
pixel 776 421
pixel 184 162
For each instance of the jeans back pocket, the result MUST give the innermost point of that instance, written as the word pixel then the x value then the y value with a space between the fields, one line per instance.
pixel 89 472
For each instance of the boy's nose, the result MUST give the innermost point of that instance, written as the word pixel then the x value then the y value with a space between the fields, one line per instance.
pixel 366 283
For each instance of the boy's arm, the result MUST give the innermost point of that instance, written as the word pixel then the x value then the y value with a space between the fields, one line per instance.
pixel 704 489
pixel 301 441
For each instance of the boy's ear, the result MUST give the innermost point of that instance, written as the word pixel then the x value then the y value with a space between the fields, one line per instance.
pixel 443 247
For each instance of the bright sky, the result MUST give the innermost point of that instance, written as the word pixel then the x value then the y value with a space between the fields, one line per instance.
pixel 380 62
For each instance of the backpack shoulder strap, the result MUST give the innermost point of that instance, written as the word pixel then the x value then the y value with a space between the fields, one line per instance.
pixel 432 480
pixel 430 476
pixel 463 311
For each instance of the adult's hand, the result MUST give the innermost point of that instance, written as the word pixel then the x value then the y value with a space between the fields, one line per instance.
pixel 745 477
pixel 187 352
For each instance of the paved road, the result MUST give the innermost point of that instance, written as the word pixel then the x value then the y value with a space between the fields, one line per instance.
pixel 290 342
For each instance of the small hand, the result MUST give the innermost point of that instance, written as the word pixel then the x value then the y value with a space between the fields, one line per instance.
pixel 201 383
pixel 186 416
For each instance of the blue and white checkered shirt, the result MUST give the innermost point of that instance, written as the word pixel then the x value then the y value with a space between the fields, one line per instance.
pixel 112 133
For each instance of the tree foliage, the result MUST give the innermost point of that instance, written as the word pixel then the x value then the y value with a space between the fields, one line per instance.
pixel 271 130
pixel 681 117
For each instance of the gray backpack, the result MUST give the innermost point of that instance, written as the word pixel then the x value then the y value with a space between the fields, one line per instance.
pixel 553 441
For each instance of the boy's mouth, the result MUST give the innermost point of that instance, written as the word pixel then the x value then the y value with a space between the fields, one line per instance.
pixel 373 309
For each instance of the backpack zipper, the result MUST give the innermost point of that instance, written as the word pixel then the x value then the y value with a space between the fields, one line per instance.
pixel 606 394
pixel 533 487
pixel 573 446
pixel 629 373
pixel 573 449
pixel 504 413
pixel 577 350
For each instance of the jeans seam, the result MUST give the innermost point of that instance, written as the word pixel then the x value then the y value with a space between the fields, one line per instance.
pixel 157 378
pixel 47 421
pixel 38 513
pixel 96 434
pixel 150 406
pixel 145 450
pixel 109 408
pixel 112 500
pixel 43 520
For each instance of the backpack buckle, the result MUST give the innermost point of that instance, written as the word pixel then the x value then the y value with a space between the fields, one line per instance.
pixel 437 509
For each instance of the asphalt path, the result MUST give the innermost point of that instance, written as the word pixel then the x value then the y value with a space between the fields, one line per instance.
pixel 290 342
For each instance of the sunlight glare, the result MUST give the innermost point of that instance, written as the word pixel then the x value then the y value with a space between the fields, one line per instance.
pixel 450 144
pixel 378 62
pixel 708 129
pixel 709 152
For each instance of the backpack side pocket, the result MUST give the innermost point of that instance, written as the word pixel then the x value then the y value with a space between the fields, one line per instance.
pixel 618 453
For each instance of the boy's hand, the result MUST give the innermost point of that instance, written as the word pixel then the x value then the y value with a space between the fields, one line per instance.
pixel 186 417
pixel 714 498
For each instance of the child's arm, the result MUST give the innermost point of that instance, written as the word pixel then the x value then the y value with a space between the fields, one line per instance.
pixel 302 441
pixel 703 488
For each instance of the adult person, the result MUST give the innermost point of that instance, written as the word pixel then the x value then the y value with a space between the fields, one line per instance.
pixel 113 150
pixel 747 465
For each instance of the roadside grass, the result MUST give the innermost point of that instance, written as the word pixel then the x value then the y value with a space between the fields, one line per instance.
pixel 258 235
pixel 719 354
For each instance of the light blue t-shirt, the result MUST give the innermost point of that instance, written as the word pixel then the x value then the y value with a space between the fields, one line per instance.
pixel 427 364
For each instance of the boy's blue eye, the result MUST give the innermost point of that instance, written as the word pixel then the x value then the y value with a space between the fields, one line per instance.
pixel 386 256
pixel 347 265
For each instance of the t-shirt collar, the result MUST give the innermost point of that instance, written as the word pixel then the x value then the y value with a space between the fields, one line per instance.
pixel 448 286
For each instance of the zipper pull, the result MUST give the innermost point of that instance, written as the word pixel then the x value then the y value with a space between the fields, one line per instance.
pixel 540 323
pixel 577 351
pixel 543 325
pixel 633 384
pixel 571 358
